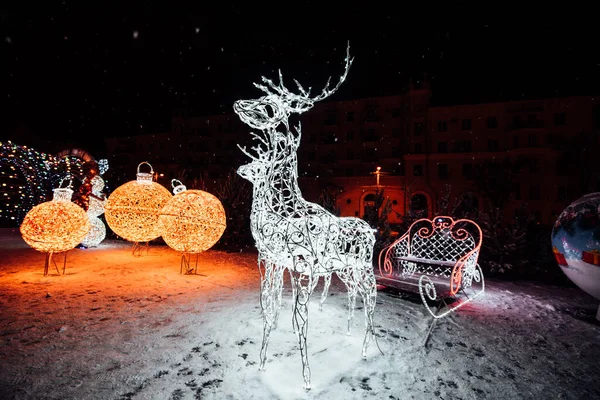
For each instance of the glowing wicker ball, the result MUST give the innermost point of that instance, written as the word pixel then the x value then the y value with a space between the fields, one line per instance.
pixel 192 221
pixel 576 243
pixel 57 225
pixel 96 234
pixel 132 210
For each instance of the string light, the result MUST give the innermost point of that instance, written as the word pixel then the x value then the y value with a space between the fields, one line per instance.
pixel 192 221
pixel 103 166
pixel 132 209
pixel 25 179
pixel 291 233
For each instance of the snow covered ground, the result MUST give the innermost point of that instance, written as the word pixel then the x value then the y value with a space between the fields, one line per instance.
pixel 123 327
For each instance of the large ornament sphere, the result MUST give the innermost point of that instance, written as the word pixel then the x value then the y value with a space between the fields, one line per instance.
pixel 96 234
pixel 132 209
pixel 57 225
pixel 192 221
pixel 576 243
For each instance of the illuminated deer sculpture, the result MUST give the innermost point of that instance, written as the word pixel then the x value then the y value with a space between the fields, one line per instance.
pixel 291 233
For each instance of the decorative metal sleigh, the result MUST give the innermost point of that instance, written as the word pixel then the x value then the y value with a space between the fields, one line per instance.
pixel 438 258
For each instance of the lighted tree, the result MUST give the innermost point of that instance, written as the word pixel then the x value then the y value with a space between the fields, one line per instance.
pixel 25 178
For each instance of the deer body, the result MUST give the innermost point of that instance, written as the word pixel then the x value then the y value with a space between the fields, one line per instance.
pixel 294 234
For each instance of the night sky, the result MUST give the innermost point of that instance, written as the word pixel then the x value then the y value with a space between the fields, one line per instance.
pixel 75 73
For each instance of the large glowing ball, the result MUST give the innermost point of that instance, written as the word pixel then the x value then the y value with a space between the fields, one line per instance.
pixel 57 225
pixel 576 243
pixel 192 221
pixel 96 234
pixel 132 209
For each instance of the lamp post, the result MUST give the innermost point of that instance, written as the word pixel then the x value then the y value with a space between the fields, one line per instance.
pixel 377 173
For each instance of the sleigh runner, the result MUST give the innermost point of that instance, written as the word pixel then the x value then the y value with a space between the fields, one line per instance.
pixel 438 258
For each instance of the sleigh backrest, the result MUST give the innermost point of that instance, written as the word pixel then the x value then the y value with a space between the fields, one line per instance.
pixel 443 239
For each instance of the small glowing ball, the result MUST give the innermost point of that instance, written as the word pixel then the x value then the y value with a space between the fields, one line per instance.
pixel 57 225
pixel 576 243
pixel 132 210
pixel 192 221
pixel 96 234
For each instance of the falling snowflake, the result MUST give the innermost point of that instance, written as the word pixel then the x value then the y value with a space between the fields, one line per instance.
pixel 135 34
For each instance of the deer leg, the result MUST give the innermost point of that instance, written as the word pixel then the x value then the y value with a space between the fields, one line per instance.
pixel 269 305
pixel 300 321
pixel 278 288
pixel 294 291
pixel 294 294
pixel 351 305
pixel 368 291
pixel 326 283
pixel 346 277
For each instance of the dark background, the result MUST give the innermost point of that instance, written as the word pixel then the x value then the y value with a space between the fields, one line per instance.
pixel 73 73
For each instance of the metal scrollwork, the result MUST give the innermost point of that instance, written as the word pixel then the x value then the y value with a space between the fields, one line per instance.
pixel 291 233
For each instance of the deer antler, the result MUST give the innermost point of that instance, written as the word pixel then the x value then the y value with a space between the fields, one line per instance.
pixel 263 154
pixel 299 103
pixel 326 90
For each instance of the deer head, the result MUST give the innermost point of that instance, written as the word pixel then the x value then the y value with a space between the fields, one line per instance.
pixel 252 171
pixel 275 108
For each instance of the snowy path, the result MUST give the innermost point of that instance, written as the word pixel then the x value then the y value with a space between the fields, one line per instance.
pixel 120 327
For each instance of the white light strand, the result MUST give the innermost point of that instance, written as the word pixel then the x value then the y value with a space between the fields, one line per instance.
pixel 96 205
pixel 292 233
pixel 103 166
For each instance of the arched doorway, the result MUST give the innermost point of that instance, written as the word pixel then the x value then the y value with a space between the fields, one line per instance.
pixel 368 203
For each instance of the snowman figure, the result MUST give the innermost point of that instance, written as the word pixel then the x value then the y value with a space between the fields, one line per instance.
pixel 95 209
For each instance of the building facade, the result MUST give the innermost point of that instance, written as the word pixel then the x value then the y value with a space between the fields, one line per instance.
pixel 541 153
